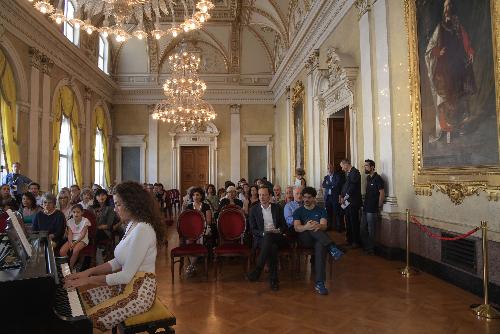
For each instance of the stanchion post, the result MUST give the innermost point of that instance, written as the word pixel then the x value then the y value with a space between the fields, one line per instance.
pixel 408 271
pixel 485 310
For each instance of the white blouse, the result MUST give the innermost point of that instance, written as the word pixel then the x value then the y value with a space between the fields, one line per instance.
pixel 136 252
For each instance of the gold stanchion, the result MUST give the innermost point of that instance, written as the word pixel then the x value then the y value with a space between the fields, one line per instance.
pixel 408 271
pixel 485 310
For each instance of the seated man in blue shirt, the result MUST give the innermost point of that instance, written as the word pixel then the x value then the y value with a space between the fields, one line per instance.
pixel 291 206
pixel 310 223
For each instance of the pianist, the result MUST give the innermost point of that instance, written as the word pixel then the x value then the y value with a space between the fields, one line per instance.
pixel 126 284
pixel 51 220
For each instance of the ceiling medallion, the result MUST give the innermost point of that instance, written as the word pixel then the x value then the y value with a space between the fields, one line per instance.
pixel 120 13
pixel 184 106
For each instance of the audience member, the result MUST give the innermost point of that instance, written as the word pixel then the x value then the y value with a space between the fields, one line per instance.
pixel 251 199
pixel 300 181
pixel 374 199
pixel 288 194
pixel 63 199
pixel 268 225
pixel 197 203
pixel 50 219
pixel 186 200
pixel 77 233
pixel 310 224
pixel 7 204
pixel 332 185
pixel 350 198
pixel 17 182
pixel 105 216
pixel 29 208
pixel 34 188
pixel 277 196
pixel 212 197
pixel 87 199
pixel 74 191
pixel 5 192
pixel 230 199
pixel 229 184
pixel 291 206
pixel 95 187
pixel 221 193
pixel 160 194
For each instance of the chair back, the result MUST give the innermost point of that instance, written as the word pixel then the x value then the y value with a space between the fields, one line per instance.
pixel 191 225
pixel 231 224
pixel 231 207
pixel 93 224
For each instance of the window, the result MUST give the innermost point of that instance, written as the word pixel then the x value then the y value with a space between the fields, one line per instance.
pixel 69 30
pixel 66 176
pixel 99 160
pixel 102 59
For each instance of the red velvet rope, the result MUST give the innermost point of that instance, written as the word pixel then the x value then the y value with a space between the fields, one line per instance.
pixel 436 236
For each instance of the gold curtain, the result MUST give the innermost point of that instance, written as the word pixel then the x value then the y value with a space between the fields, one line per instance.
pixel 99 121
pixel 65 104
pixel 8 110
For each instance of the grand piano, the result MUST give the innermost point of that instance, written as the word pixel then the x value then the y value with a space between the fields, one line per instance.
pixel 32 296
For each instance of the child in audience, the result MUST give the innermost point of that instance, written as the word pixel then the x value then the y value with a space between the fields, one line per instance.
pixel 78 236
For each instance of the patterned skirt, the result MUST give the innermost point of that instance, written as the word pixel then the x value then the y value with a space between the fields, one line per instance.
pixel 107 306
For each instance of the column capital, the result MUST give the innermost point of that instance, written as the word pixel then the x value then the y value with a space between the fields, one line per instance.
pixel 364 6
pixel 23 107
pixel 47 65
pixel 87 94
pixel 312 61
pixel 36 58
pixel 235 109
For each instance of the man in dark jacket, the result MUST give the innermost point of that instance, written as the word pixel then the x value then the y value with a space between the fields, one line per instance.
pixel 268 225
pixel 332 185
pixel 350 199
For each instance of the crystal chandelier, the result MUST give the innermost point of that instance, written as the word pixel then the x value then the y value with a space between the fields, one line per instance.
pixel 118 13
pixel 184 106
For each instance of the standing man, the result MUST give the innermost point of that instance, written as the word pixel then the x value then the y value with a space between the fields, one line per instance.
pixel 350 198
pixel 332 183
pixel 310 223
pixel 268 225
pixel 277 196
pixel 18 183
pixel 374 199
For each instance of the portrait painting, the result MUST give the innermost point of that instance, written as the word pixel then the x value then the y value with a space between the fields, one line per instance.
pixel 456 65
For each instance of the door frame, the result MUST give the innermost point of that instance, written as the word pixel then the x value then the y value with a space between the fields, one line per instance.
pixel 130 141
pixel 260 140
pixel 206 138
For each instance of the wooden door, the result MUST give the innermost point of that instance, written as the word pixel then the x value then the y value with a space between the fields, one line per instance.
pixel 338 139
pixel 194 167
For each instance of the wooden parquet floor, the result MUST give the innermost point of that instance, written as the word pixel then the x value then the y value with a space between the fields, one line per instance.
pixel 367 295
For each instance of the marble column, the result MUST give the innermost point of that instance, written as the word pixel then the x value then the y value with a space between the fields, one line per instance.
pixel 34 115
pixel 152 151
pixel 313 168
pixel 46 156
pixel 235 146
pixel 383 100
pixel 365 39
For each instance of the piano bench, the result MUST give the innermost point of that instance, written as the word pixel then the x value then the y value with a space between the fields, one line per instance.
pixel 157 318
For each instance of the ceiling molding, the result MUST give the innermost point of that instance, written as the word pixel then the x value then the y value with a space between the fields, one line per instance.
pixel 27 24
pixel 321 21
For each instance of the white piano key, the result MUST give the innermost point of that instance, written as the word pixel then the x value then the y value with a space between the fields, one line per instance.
pixel 74 300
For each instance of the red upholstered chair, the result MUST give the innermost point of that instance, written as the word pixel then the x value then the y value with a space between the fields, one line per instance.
pixel 231 226
pixel 190 225
pixel 91 248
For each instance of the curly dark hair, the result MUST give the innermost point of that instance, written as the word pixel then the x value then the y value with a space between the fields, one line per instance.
pixel 32 199
pixel 199 191
pixel 141 206
pixel 99 192
pixel 211 186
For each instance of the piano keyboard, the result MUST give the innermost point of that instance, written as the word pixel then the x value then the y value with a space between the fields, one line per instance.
pixel 67 302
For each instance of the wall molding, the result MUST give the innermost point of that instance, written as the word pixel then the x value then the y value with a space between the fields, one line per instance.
pixel 130 141
pixel 321 21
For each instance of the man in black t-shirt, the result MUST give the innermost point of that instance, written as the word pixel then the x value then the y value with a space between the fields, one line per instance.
pixel 374 199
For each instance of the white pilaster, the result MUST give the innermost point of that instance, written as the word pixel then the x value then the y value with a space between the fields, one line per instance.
pixel 34 115
pixel 312 123
pixel 46 156
pixel 88 159
pixel 383 101
pixel 366 85
pixel 153 151
pixel 288 140
pixel 235 148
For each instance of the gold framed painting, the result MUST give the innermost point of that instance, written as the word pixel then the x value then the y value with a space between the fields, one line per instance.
pixel 454 69
pixel 298 126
